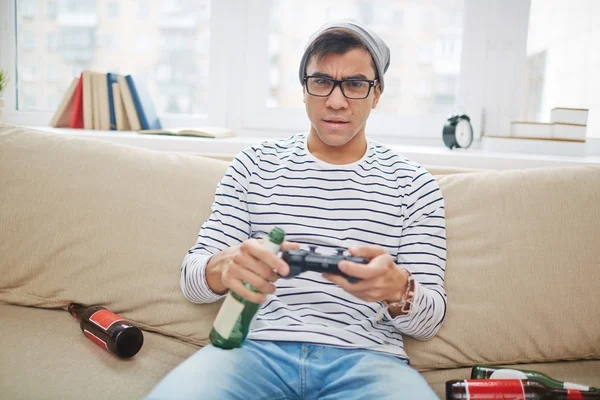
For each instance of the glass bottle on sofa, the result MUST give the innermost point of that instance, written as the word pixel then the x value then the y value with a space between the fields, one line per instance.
pixel 233 320
pixel 514 389
pixel 495 372
pixel 108 330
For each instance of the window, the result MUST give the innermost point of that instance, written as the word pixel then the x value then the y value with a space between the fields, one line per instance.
pixel 113 9
pixel 143 44
pixel 289 31
pixel 28 8
pixel 52 74
pixel 52 41
pixel 51 9
pixel 143 8
pixel 446 87
pixel 28 73
pixel 28 42
pixel 28 101
pixel 53 99
pixel 562 62
pixel 413 43
pixel 87 34
pixel 235 63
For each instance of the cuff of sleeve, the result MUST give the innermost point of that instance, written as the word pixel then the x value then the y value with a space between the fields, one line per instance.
pixel 212 296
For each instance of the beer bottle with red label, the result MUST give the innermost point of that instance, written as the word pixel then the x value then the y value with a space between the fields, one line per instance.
pixel 513 389
pixel 496 372
pixel 108 330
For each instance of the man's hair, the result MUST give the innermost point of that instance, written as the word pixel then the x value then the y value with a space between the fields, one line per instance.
pixel 336 41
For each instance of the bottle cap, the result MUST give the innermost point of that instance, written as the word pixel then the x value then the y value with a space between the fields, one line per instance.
pixel 277 235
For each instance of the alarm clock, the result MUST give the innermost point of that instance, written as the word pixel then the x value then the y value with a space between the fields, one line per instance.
pixel 458 132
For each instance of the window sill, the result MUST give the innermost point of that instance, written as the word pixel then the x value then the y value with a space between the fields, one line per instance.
pixel 481 155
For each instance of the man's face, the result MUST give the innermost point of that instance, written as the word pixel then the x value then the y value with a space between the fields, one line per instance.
pixel 335 119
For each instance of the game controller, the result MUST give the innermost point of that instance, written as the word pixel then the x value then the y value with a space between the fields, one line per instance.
pixel 302 260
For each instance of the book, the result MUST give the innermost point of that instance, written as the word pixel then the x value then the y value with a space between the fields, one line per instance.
pixel 569 131
pixel 62 116
pixel 143 103
pixel 132 116
pixel 111 78
pixel 88 100
pixel 95 100
pixel 531 129
pixel 575 116
pixel 77 114
pixel 555 130
pixel 205 131
pixel 120 113
pixel 101 96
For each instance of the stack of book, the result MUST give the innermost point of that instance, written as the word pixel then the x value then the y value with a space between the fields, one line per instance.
pixel 106 101
pixel 565 124
pixel 112 102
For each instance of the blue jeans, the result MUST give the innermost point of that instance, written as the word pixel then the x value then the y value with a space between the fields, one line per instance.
pixel 291 370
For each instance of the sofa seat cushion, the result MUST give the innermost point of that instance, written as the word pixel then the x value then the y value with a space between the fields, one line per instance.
pixel 46 356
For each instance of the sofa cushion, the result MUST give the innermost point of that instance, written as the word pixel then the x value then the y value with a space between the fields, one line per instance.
pixel 100 223
pixel 523 267
pixel 46 356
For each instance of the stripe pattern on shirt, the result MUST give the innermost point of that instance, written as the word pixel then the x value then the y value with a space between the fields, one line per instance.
pixel 382 199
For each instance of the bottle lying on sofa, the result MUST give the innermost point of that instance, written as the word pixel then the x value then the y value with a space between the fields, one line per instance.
pixel 495 372
pixel 108 330
pixel 233 320
pixel 513 389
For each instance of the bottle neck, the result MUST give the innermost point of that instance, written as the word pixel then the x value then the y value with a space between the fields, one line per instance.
pixel 77 310
pixel 572 394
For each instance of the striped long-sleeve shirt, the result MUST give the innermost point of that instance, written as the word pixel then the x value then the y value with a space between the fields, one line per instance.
pixel 381 199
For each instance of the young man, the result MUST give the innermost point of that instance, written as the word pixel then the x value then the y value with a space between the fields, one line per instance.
pixel 321 336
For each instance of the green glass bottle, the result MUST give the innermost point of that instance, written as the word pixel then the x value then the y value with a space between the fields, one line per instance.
pixel 233 320
pixel 494 372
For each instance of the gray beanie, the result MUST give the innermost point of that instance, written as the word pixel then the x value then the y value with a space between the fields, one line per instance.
pixel 376 46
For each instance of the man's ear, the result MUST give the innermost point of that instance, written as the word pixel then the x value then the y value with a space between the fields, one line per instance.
pixel 304 94
pixel 376 96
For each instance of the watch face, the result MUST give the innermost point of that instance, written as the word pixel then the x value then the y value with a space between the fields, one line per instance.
pixel 464 133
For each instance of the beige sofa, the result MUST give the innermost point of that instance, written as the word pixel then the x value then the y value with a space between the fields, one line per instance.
pixel 98 223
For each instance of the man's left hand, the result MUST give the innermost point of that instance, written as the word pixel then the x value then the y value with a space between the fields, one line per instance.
pixel 381 279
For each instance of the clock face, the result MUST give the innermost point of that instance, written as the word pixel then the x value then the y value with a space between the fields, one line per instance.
pixel 464 133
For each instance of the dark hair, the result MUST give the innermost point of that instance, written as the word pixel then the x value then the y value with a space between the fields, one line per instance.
pixel 336 41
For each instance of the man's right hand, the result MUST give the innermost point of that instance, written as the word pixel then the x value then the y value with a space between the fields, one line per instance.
pixel 247 262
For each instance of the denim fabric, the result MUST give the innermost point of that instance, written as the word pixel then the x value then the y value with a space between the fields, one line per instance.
pixel 291 370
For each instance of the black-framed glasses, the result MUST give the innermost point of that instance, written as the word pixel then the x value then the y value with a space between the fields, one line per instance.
pixel 354 89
